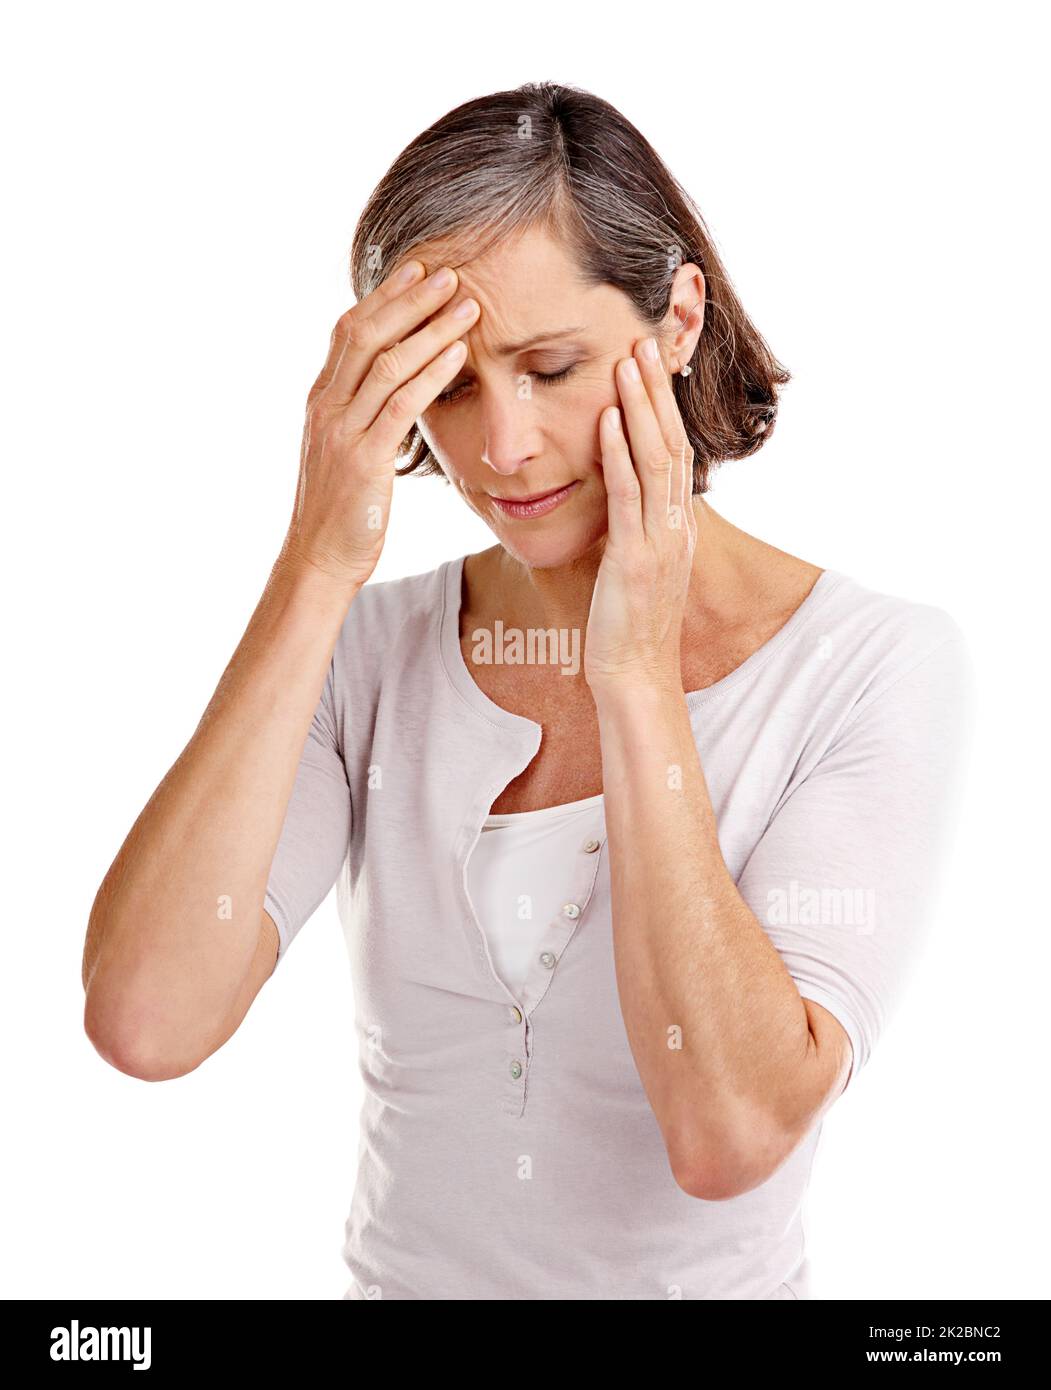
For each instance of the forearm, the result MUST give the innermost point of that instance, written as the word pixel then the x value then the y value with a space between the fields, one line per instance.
pixel 177 919
pixel 717 1027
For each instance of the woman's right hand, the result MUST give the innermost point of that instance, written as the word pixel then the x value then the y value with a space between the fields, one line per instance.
pixel 379 377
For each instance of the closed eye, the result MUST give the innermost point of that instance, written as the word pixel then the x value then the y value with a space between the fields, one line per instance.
pixel 454 392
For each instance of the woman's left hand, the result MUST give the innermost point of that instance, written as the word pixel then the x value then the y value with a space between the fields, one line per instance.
pixel 635 624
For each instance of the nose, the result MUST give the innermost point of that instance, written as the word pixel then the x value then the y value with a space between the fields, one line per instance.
pixel 508 431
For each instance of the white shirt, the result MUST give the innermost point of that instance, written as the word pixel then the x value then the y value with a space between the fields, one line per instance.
pixel 507 1147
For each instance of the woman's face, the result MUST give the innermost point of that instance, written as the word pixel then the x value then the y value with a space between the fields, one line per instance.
pixel 503 431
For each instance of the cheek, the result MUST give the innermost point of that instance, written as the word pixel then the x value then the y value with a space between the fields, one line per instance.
pixel 572 433
pixel 441 441
pixel 427 432
pixel 572 421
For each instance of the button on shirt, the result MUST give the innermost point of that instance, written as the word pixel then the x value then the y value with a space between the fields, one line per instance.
pixel 507 1147
pixel 526 877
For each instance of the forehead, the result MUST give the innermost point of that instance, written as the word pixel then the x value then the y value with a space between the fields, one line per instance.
pixel 525 284
pixel 530 257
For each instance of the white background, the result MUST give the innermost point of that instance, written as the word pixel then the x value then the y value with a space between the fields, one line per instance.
pixel 182 183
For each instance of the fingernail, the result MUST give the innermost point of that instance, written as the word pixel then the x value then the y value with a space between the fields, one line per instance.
pixel 465 309
pixel 649 350
pixel 631 370
pixel 408 273
pixel 443 278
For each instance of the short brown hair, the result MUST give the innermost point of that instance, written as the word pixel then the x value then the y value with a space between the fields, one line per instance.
pixel 555 156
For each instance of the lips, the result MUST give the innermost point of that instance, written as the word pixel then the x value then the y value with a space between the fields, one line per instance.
pixel 539 504
pixel 536 497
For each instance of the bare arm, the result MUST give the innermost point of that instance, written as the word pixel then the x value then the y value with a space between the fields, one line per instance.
pixel 178 943
pixel 177 924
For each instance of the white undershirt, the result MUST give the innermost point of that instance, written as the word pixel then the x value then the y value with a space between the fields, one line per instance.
pixel 519 877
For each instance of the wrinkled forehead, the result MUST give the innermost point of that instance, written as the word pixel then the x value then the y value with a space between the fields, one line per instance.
pixel 515 279
pixel 483 253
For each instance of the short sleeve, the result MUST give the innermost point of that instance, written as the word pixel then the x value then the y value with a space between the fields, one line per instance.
pixel 846 876
pixel 316 831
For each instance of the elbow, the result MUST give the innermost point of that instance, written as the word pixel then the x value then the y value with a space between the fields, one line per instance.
pixel 136 1033
pixel 710 1185
pixel 145 1068
pixel 719 1172
pixel 131 1054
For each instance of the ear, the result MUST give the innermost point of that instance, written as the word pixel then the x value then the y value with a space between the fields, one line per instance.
pixel 685 317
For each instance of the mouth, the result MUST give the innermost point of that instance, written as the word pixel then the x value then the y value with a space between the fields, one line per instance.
pixel 537 505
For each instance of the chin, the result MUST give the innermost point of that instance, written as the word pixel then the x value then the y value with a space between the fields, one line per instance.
pixel 540 546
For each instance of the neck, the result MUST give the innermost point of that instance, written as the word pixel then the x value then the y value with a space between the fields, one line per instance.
pixel 559 596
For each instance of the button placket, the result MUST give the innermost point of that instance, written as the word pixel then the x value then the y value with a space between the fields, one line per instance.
pixel 563 926
pixel 560 933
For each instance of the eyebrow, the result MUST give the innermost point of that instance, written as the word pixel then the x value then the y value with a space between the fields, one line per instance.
pixel 507 349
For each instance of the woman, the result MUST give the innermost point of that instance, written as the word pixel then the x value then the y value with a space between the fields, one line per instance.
pixel 634 815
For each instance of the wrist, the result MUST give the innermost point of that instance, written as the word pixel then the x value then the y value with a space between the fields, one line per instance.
pixel 617 695
pixel 301 576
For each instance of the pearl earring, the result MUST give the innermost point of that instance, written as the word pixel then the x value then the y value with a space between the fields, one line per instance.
pixel 685 371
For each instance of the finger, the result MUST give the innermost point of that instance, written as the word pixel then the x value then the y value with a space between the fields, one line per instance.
pixel 653 463
pixel 623 491
pixel 410 400
pixel 657 381
pixel 367 334
pixel 396 283
pixel 392 367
